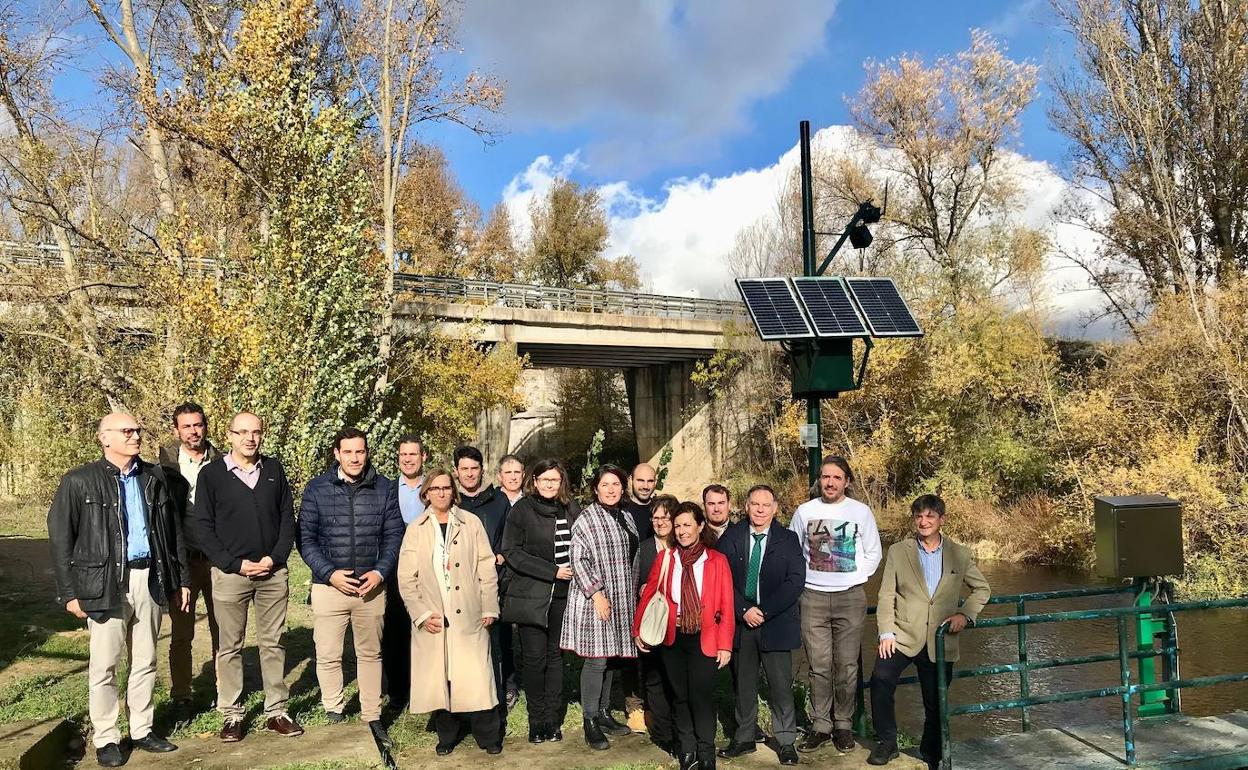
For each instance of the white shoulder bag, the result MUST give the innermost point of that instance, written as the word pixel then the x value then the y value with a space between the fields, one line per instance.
pixel 654 617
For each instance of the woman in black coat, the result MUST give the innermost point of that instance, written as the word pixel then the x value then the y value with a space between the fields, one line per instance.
pixel 537 551
pixel 656 689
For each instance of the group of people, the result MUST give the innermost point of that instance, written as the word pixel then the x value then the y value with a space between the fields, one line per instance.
pixel 435 569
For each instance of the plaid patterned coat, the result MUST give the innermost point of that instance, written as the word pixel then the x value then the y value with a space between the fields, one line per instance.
pixel 600 561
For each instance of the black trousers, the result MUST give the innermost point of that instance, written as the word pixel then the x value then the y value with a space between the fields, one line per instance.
pixel 453 727
pixel 692 675
pixel 658 697
pixel 396 648
pixel 541 666
pixel 884 687
pixel 777 665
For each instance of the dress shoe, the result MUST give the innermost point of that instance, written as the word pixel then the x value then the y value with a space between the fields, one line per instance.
pixel 495 749
pixel 444 748
pixel 735 749
pixel 787 755
pixel 707 762
pixel 110 755
pixel 380 735
pixel 843 740
pixel 232 731
pixel 608 725
pixel 335 717
pixel 153 743
pixel 594 737
pixel 537 733
pixel 668 748
pixel 688 761
pixel 554 732
pixel 759 735
pixel 284 726
pixel 814 741
pixel 883 753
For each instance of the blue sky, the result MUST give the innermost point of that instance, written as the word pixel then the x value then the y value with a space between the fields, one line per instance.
pixel 811 81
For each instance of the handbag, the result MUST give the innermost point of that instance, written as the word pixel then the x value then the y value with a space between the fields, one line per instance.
pixel 654 616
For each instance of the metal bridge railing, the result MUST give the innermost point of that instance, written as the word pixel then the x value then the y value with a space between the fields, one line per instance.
pixel 1124 690
pixel 533 297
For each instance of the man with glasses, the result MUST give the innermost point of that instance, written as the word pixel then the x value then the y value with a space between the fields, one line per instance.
pixel 245 513
pixel 119 560
pixel 182 461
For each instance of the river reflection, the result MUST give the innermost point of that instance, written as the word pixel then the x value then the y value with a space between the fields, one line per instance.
pixel 1210 641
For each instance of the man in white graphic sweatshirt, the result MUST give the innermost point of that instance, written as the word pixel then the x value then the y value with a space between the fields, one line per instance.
pixel 841 543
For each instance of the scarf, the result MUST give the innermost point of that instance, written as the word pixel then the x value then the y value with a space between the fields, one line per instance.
pixel 690 619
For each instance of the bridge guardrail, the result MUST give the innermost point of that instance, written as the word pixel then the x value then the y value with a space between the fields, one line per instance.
pixel 519 295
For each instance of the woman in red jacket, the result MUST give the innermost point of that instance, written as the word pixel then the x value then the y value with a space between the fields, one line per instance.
pixel 698 590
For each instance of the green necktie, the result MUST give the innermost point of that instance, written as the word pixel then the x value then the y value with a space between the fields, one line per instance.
pixel 756 561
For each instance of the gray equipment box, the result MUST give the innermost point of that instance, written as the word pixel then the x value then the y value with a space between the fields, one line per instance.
pixel 1138 536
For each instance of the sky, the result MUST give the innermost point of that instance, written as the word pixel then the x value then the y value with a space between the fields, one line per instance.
pixel 684 113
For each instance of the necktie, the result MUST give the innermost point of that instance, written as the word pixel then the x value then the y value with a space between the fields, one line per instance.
pixel 756 561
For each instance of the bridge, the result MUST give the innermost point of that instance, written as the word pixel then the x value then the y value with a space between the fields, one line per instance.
pixel 655 339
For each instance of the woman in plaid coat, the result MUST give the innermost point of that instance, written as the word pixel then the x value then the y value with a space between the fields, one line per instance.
pixel 598 623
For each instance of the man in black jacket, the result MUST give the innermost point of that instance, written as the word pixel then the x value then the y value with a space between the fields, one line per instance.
pixel 182 461
pixel 350 530
pixel 768 575
pixel 245 519
pixel 490 505
pixel 119 560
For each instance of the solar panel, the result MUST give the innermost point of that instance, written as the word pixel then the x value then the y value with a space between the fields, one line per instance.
pixel 885 312
pixel 774 308
pixel 830 308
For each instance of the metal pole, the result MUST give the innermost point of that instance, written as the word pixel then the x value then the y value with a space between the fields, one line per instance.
pixel 808 268
pixel 1124 673
pixel 1024 682
pixel 942 701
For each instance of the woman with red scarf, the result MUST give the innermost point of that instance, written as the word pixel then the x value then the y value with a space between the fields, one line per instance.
pixel 700 629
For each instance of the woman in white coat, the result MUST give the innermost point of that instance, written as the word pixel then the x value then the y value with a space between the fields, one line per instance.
pixel 449 583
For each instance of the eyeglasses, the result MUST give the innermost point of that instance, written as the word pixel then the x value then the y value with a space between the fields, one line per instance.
pixel 437 489
pixel 540 480
pixel 127 432
pixel 252 433
pixel 660 518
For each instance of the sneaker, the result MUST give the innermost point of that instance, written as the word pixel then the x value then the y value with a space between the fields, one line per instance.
pixel 814 741
pixel 284 726
pixel 153 743
pixel 843 740
pixel 232 731
pixel 883 753
pixel 110 755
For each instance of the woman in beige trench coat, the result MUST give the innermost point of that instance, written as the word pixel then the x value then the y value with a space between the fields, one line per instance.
pixel 450 586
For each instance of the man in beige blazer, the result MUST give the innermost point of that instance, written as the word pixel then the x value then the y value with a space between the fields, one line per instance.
pixel 923 580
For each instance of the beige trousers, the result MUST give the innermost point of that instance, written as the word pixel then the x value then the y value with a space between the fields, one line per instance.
pixel 138 618
pixel 231 596
pixel 332 610
pixel 182 629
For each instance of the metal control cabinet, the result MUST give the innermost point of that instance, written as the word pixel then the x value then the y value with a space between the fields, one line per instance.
pixel 1138 536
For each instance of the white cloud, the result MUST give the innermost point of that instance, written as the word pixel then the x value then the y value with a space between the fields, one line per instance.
pixel 682 238
pixel 667 77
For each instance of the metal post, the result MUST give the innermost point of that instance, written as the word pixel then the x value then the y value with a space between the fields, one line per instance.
pixel 1170 664
pixel 808 268
pixel 942 701
pixel 1124 672
pixel 1147 626
pixel 1024 683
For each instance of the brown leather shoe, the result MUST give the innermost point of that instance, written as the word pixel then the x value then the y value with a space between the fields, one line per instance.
pixel 284 726
pixel 232 731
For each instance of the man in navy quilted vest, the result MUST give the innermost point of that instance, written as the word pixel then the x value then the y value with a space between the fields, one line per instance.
pixel 350 530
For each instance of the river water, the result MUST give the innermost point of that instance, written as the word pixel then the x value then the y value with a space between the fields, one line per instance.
pixel 1210 642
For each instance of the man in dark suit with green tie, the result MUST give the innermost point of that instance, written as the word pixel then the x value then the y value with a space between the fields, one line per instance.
pixel 768 575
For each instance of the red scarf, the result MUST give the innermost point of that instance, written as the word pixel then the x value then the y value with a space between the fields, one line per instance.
pixel 690 620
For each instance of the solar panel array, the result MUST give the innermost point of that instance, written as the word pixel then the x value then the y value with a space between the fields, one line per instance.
pixel 827 307
pixel 830 308
pixel 885 311
pixel 773 306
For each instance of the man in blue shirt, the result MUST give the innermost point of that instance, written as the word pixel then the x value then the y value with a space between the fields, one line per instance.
pixel 396 650
pixel 923 580
pixel 119 559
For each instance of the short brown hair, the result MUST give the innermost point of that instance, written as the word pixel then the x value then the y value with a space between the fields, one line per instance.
pixel 429 477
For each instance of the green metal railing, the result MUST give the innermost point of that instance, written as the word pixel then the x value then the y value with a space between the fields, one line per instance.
pixel 1125 690
pixel 1024 666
